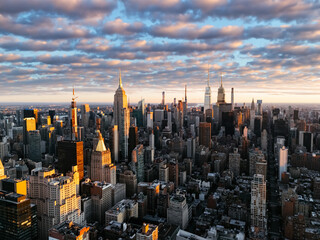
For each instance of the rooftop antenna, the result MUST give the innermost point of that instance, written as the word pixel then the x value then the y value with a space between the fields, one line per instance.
pixel 120 80
pixel 73 95
pixel 208 74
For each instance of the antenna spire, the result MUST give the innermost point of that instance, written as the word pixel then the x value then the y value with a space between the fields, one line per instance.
pixel 120 80
pixel 221 78
pixel 208 74
pixel 185 93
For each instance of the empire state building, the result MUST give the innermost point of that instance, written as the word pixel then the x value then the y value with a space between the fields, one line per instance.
pixel 207 96
pixel 121 116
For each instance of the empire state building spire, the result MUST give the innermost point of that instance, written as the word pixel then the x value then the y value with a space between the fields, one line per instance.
pixel 207 95
pixel 120 80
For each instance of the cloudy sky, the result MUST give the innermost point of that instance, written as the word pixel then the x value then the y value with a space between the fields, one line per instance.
pixel 264 49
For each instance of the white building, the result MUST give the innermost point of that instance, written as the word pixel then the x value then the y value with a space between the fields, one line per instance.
pixel 56 199
pixel 283 161
pixel 177 212
pixel 258 203
pixel 150 120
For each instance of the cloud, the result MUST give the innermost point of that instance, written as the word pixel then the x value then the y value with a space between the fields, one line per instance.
pixel 285 10
pixel 122 28
pixel 43 28
pixel 72 8
pixel 159 44
pixel 182 30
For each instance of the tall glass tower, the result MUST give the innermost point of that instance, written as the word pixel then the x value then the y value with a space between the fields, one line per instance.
pixel 207 96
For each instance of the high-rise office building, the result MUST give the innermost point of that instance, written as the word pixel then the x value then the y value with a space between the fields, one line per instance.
pixel 121 117
pixel 227 120
pixel 138 162
pixel 74 118
pixel 261 168
pixel 150 120
pixel 306 140
pixel 133 139
pixel 255 156
pixel 141 108
pixel 174 173
pixel 232 99
pixel 283 161
pixel 163 102
pixel 85 113
pixel 153 191
pixel 177 213
pixel 207 95
pixel 205 134
pixel 258 203
pixel 164 173
pixel 259 107
pixel 56 199
pixel 101 168
pixel 130 179
pixel 102 198
pixel 70 153
pixel 114 143
pixel 18 217
pixel 34 146
pixel 264 140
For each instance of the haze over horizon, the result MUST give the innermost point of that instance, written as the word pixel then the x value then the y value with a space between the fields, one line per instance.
pixel 266 50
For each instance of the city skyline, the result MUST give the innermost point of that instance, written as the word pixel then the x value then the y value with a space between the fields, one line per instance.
pixel 266 50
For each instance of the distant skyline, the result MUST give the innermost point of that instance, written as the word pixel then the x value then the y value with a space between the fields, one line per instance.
pixel 266 50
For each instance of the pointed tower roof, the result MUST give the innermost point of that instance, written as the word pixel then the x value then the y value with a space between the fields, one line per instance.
pixel 100 147
pixel 252 104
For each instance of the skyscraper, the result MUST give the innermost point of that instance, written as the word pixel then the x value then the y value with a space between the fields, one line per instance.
pixel 232 98
pixel 34 146
pixel 85 111
pixel 133 139
pixel 283 160
pixel 18 217
pixel 207 96
pixel 205 134
pixel 121 117
pixel 221 94
pixel 258 203
pixel 101 168
pixel 138 162
pixel 70 154
pixel 74 118
pixel 163 99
